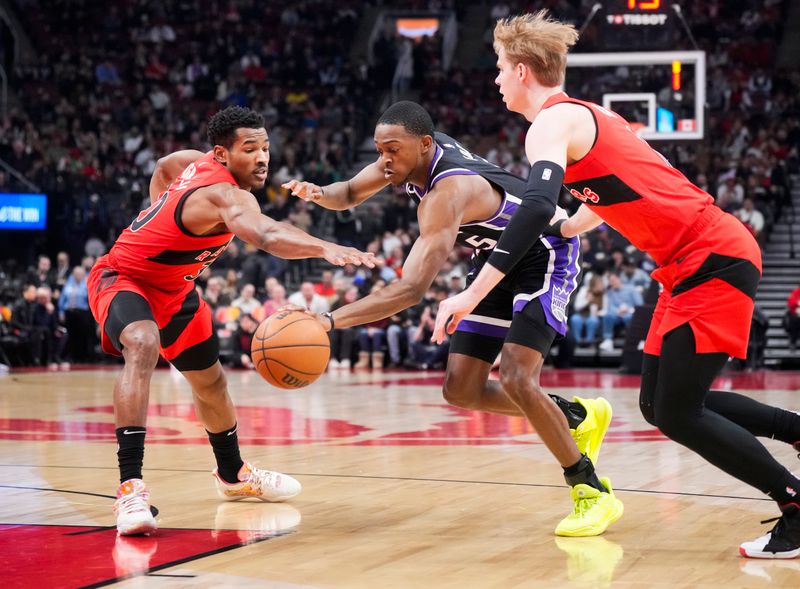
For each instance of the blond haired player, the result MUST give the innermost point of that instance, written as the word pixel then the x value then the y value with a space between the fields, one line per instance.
pixel 709 266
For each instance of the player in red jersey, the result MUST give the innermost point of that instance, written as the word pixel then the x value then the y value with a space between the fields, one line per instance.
pixel 143 295
pixel 709 265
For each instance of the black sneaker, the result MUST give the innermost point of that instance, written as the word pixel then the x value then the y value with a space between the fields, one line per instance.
pixel 782 541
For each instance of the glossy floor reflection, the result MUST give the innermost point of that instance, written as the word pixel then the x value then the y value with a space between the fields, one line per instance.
pixel 400 490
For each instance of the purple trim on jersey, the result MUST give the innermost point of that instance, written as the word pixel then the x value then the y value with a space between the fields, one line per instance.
pixel 453 173
pixel 506 207
pixel 500 223
pixel 470 326
pixel 437 154
pixel 563 282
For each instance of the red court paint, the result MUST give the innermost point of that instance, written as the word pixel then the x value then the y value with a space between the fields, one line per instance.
pixel 33 556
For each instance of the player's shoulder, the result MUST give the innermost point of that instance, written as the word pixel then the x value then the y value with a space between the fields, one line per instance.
pixel 455 188
pixel 220 193
pixel 561 113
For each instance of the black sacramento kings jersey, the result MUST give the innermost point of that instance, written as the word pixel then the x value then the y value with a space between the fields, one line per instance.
pixel 450 159
pixel 548 272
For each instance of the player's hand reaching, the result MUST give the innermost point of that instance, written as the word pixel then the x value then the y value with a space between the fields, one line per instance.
pixel 308 191
pixel 451 312
pixel 339 255
pixel 323 319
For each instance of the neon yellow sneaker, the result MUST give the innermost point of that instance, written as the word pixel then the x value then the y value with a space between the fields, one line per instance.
pixel 589 434
pixel 593 512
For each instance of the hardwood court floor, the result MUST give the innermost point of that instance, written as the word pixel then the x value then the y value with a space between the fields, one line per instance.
pixel 400 491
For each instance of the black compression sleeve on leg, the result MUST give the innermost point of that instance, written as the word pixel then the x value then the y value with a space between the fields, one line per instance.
pixel 531 217
pixel 757 418
pixel 684 378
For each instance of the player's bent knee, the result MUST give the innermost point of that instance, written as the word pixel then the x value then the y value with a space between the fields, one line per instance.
pixel 518 383
pixel 215 385
pixel 459 392
pixel 516 375
pixel 675 426
pixel 140 342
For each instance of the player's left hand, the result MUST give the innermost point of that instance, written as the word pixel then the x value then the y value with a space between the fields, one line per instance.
pixel 451 312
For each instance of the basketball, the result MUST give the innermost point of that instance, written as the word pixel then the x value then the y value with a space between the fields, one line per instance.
pixel 290 349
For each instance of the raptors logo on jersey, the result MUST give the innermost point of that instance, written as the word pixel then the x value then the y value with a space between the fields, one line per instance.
pixel 586 195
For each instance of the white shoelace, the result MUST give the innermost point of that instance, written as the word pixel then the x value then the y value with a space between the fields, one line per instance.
pixel 133 503
pixel 261 479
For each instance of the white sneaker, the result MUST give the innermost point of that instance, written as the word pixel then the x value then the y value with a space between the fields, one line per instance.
pixel 132 509
pixel 333 363
pixel 607 345
pixel 782 541
pixel 258 483
pixel 345 364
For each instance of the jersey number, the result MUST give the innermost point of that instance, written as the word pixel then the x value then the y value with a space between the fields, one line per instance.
pixel 481 242
pixel 149 213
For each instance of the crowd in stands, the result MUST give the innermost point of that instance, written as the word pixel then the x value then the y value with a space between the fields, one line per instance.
pixel 98 114
pixel 147 75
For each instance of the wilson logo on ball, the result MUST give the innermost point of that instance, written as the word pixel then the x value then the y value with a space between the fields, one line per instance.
pixel 293 381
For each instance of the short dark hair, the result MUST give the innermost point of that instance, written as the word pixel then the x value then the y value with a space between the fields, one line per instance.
pixel 410 115
pixel 222 126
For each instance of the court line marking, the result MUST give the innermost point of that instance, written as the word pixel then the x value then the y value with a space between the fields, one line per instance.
pixel 56 490
pixel 191 558
pixel 384 478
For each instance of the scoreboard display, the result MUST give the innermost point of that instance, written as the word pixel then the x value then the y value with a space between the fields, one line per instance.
pixel 645 13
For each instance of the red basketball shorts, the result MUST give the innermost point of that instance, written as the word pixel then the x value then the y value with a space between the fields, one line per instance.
pixel 187 338
pixel 711 285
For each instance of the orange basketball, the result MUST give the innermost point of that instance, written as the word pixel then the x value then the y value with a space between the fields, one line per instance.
pixel 290 349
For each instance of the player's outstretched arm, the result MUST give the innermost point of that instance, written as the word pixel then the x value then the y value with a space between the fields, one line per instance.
pixel 342 195
pixel 439 218
pixel 168 168
pixel 240 212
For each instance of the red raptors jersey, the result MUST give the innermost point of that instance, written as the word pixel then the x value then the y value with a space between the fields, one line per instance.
pixel 157 249
pixel 633 187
